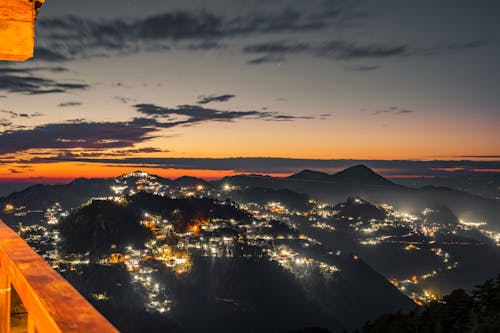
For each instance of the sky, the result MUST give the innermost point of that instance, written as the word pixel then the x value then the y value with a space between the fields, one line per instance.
pixel 220 87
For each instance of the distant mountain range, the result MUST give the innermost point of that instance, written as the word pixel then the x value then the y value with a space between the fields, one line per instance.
pixel 364 182
pixel 359 174
pixel 358 180
pixel 487 185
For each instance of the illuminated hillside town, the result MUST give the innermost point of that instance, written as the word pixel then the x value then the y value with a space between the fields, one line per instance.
pixel 282 166
pixel 273 232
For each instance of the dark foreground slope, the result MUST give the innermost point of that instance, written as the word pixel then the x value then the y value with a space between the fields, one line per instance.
pixel 243 295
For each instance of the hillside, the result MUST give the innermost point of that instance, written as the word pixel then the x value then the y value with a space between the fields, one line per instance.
pixel 42 196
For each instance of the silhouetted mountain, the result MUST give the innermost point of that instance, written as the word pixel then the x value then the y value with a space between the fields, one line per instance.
pixel 309 175
pixel 41 196
pixel 441 215
pixel 359 208
pixel 187 181
pixel 360 174
pixel 8 188
pixel 348 182
pixel 99 225
pixel 487 186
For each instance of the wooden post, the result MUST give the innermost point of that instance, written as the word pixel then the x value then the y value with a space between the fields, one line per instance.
pixel 17 29
pixel 4 301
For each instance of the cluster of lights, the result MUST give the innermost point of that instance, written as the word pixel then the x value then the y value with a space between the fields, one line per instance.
pixel 298 264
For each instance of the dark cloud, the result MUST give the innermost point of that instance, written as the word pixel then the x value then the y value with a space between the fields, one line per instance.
pixel 338 50
pixel 87 135
pixel 349 51
pixel 16 171
pixel 266 60
pixel 78 155
pixel 289 20
pixel 124 100
pixel 72 37
pixel 341 50
pixel 24 80
pixel 69 104
pixel 393 110
pixel 346 13
pixel 344 50
pixel 452 48
pixel 5 123
pixel 276 47
pixel 192 114
pixel 215 98
pixel 100 136
pixel 275 52
pixel 13 114
pixel 196 113
pixel 147 150
pixel 363 68
pixel 75 37
pixel 205 46
pixel 31 70
pixel 288 118
pixel 44 54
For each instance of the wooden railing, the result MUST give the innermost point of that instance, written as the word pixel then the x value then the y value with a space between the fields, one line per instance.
pixel 52 304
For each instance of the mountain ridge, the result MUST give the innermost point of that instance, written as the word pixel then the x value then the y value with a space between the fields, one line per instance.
pixel 358 180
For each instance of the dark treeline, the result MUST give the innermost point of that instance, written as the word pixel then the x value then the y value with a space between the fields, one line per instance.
pixel 460 312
